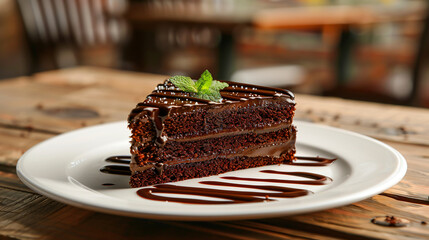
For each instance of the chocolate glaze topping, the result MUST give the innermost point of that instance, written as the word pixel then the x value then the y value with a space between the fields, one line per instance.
pixel 166 97
pixel 229 196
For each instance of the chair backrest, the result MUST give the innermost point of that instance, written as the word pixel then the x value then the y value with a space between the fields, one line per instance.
pixel 83 22
pixel 60 28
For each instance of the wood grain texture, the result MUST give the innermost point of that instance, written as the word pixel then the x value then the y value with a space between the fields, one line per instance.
pixel 36 108
pixel 68 100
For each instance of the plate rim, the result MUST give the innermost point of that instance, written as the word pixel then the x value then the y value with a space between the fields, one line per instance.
pixel 394 177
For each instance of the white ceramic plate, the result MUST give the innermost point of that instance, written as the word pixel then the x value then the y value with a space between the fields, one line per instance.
pixel 66 168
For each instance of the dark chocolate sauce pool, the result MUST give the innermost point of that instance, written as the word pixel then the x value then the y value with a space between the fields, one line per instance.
pixel 271 193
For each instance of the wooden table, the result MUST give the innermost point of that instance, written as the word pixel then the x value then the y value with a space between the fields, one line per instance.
pixel 33 109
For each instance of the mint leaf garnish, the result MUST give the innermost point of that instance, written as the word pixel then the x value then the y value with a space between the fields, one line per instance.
pixel 184 83
pixel 204 88
pixel 217 86
pixel 203 84
pixel 212 95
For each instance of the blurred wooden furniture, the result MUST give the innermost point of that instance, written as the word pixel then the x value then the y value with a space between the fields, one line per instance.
pixel 421 64
pixel 65 33
pixel 12 45
pixel 337 25
pixel 201 32
pixel 37 108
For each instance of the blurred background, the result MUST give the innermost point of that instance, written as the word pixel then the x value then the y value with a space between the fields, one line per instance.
pixel 373 50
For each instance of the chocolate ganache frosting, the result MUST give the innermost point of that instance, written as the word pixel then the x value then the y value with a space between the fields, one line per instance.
pixel 167 99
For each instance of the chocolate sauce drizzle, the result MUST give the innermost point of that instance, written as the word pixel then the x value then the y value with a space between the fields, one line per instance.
pixel 108 184
pixel 167 97
pixel 116 169
pixel 229 196
pixel 119 159
pixel 317 179
pixel 313 161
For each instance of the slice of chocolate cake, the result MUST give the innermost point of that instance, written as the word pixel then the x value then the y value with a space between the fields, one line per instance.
pixel 177 135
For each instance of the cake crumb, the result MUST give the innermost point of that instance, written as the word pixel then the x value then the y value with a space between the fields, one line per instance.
pixel 29 128
pixel 39 106
pixel 336 117
pixel 402 129
pixel 390 221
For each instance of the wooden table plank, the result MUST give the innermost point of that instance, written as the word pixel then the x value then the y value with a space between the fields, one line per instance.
pixel 381 121
pixel 14 142
pixel 27 117
pixel 67 100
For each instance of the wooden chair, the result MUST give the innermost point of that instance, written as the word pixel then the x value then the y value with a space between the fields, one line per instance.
pixel 57 30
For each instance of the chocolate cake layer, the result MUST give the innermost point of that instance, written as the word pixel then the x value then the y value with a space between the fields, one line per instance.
pixel 184 171
pixel 172 132
pixel 199 150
